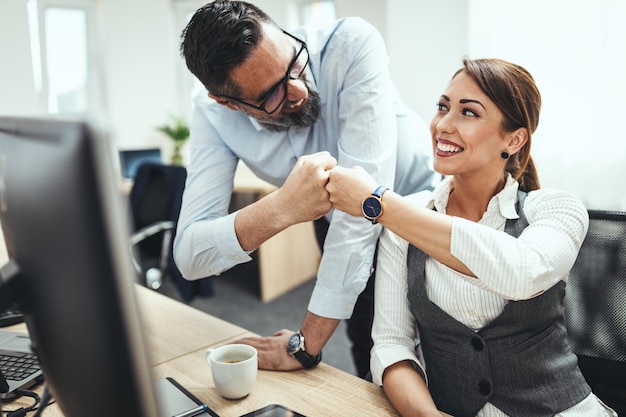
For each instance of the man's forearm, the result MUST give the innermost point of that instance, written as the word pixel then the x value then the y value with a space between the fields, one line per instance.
pixel 317 330
pixel 303 197
pixel 259 221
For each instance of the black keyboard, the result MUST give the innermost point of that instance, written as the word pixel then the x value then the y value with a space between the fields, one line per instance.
pixel 17 366
pixel 10 316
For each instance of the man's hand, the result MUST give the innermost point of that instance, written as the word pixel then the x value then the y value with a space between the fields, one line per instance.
pixel 304 192
pixel 302 198
pixel 272 351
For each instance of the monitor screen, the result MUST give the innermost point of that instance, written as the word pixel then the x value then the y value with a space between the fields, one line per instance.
pixel 132 159
pixel 66 226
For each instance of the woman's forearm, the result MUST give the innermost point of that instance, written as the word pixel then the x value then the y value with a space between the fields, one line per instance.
pixel 407 391
pixel 424 228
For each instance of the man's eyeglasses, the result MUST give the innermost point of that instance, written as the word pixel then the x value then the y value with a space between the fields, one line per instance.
pixel 277 94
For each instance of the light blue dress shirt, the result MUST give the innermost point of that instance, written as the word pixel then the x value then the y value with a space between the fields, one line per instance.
pixel 362 122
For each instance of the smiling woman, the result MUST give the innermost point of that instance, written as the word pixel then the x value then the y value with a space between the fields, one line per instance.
pixel 445 269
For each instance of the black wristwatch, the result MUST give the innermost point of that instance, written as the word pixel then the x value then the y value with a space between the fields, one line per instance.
pixel 295 347
pixel 372 207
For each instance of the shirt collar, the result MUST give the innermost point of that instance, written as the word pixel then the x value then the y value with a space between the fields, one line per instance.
pixel 507 198
pixel 257 125
pixel 440 195
pixel 504 201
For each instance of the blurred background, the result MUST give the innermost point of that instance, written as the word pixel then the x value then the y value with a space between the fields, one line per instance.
pixel 118 61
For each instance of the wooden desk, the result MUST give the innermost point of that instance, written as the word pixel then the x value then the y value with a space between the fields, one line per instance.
pixel 288 259
pixel 178 336
pixel 323 391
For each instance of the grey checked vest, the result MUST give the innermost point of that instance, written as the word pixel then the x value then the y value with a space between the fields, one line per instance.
pixel 520 362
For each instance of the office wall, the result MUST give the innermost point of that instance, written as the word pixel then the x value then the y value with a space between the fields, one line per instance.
pixel 576 51
pixel 426 40
pixel 139 66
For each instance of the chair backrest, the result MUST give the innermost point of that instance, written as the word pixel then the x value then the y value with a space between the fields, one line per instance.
pixel 156 196
pixel 595 301
pixel 157 193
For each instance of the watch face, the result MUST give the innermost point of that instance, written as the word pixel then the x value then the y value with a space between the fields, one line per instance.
pixel 294 343
pixel 372 207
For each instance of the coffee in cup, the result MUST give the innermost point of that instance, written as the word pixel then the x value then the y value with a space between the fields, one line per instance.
pixel 234 369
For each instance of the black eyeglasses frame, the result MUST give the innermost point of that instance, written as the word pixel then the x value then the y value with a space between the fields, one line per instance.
pixel 288 76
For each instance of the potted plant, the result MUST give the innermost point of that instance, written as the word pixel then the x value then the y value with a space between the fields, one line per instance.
pixel 178 131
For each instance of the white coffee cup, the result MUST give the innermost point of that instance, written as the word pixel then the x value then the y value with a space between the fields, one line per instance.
pixel 234 369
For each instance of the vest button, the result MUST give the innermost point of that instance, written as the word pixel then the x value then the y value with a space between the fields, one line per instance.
pixel 484 387
pixel 477 344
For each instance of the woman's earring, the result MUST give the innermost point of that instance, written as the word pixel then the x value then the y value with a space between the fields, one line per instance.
pixel 504 155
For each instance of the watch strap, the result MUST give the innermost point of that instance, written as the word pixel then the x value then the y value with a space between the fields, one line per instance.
pixel 307 360
pixel 379 191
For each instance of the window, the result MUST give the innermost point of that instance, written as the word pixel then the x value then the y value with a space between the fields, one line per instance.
pixel 63 48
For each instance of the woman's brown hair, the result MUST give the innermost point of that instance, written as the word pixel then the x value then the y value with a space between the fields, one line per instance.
pixel 514 92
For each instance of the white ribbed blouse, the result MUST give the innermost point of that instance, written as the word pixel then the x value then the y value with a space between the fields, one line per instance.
pixel 506 268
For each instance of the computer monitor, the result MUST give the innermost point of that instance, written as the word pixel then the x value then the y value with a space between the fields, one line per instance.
pixel 65 223
pixel 132 159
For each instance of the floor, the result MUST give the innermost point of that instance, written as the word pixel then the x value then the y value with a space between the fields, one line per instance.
pixel 237 300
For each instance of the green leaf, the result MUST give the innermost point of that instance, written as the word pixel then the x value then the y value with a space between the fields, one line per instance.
pixel 178 130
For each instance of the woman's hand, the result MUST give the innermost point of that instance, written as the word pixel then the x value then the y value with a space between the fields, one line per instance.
pixel 348 187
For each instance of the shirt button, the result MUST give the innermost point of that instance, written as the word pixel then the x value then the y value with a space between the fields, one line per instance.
pixel 484 387
pixel 237 257
pixel 477 344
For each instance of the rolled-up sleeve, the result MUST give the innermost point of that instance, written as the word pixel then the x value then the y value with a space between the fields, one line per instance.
pixel 198 253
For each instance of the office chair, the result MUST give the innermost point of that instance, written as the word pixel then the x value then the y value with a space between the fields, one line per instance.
pixel 595 307
pixel 155 200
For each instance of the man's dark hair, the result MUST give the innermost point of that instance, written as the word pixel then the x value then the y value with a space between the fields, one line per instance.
pixel 219 37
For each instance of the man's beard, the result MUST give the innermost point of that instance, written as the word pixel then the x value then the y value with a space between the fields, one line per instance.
pixel 304 117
